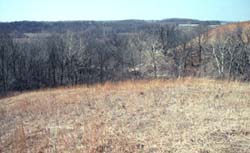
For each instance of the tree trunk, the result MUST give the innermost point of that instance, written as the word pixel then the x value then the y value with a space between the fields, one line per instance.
pixel 199 51
pixel 101 73
pixel 3 69
pixel 62 74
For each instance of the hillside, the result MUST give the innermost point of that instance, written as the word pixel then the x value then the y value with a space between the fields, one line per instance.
pixel 230 40
pixel 221 31
pixel 185 115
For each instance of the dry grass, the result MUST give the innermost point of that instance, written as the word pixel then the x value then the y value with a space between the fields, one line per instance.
pixel 182 116
pixel 220 32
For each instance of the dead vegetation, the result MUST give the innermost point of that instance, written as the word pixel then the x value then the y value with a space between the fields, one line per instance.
pixel 182 116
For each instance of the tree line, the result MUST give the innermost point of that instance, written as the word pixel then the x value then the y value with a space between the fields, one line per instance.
pixel 100 53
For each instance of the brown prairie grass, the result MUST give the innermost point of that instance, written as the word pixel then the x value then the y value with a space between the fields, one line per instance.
pixel 184 115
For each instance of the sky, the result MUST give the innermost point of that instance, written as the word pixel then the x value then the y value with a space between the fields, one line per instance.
pixel 62 10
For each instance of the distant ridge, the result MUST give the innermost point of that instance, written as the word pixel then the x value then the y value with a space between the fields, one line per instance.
pixel 191 21
pixel 59 26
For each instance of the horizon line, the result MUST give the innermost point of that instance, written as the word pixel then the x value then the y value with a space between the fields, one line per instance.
pixel 113 20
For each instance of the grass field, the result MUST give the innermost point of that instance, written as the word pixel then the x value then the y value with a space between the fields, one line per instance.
pixel 158 116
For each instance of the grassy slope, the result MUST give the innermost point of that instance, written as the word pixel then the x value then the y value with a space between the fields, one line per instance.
pixel 219 33
pixel 190 115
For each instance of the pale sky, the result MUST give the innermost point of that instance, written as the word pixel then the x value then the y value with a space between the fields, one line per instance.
pixel 58 10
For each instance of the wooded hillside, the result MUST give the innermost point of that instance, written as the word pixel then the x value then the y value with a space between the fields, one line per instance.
pixel 48 54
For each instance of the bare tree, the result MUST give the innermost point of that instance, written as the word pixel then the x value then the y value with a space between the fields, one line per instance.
pixel 6 45
pixel 56 57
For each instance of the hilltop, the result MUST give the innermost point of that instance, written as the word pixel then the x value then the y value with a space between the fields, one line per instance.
pixel 184 115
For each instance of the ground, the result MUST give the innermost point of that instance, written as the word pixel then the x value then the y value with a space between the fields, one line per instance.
pixel 171 116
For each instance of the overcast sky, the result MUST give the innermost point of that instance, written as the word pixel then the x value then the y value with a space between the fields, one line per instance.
pixel 55 10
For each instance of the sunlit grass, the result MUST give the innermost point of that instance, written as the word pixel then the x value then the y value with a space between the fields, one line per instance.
pixel 184 115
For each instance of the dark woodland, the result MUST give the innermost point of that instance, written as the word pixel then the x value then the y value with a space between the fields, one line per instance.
pixel 37 55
